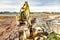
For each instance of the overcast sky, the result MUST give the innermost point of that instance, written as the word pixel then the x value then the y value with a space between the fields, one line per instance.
pixel 34 5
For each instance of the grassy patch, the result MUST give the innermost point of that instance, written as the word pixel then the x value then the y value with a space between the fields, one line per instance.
pixel 53 36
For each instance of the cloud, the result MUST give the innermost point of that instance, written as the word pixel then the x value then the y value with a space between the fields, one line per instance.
pixel 45 2
pixel 9 8
pixel 45 9
pixel 35 5
pixel 8 3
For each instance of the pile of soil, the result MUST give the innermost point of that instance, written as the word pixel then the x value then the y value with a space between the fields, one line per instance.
pixel 8 28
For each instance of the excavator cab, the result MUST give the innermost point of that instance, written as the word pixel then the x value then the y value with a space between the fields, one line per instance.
pixel 24 15
pixel 23 21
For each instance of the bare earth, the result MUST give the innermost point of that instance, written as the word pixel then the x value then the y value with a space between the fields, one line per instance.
pixel 8 28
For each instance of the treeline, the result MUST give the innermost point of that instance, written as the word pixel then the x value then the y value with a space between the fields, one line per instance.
pixel 6 12
pixel 45 12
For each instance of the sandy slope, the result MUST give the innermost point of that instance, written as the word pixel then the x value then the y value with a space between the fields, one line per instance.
pixel 8 28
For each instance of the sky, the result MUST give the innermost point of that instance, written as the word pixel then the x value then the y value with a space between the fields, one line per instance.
pixel 34 5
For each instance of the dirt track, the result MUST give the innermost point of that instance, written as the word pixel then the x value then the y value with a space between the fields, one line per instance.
pixel 8 28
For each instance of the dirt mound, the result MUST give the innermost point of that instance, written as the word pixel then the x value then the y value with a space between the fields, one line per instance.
pixel 8 28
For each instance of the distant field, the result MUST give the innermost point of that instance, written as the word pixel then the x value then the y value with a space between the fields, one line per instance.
pixel 7 17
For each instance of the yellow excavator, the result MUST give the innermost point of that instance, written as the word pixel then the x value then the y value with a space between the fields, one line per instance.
pixel 24 18
pixel 24 15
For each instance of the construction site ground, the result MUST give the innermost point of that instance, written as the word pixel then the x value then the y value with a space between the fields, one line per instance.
pixel 8 28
